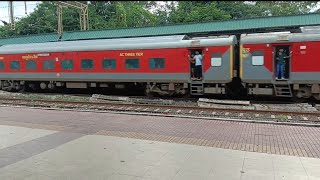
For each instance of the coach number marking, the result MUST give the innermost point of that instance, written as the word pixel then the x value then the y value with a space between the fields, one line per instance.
pixel 30 57
pixel 131 54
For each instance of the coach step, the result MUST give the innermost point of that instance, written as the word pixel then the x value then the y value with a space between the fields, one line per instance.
pixel 196 88
pixel 283 90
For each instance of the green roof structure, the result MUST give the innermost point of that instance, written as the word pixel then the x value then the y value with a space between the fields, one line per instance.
pixel 217 27
pixel 40 38
pixel 236 26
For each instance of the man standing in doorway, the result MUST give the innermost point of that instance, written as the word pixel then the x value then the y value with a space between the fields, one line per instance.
pixel 280 64
pixel 198 57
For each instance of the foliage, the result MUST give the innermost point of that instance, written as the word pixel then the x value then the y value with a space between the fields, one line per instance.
pixel 239 10
pixel 197 11
pixel 277 8
pixel 123 14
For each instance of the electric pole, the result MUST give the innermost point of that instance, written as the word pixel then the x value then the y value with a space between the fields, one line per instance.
pixel 11 16
pixel 25 7
pixel 84 14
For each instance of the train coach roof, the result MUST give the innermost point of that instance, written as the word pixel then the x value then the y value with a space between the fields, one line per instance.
pixel 263 38
pixel 115 44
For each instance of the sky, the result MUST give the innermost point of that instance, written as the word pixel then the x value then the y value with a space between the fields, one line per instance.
pixel 19 9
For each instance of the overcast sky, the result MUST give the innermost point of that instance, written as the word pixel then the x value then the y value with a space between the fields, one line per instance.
pixel 19 9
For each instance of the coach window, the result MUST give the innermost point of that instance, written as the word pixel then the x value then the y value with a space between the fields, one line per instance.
pixel 31 65
pixel 216 59
pixel 14 65
pixel 109 63
pixel 67 64
pixel 132 64
pixel 257 58
pixel 87 64
pixel 156 63
pixel 48 64
pixel 1 65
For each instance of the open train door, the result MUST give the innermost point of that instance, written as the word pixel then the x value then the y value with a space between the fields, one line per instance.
pixel 282 69
pixel 196 85
pixel 193 70
pixel 282 65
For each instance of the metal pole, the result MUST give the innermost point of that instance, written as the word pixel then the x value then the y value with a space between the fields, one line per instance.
pixel 25 7
pixel 11 15
pixel 81 20
pixel 87 17
pixel 59 13
pixel 84 14
pixel 84 18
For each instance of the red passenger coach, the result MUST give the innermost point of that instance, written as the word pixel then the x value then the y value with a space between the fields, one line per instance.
pixel 159 64
pixel 258 65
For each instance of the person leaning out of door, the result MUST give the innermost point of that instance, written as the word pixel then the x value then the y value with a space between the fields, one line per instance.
pixel 281 63
pixel 198 58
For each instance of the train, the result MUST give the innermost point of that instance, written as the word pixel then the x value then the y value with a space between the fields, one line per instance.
pixel 233 65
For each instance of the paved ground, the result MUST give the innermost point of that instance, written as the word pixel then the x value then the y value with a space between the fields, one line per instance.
pixel 44 144
pixel 266 138
pixel 115 158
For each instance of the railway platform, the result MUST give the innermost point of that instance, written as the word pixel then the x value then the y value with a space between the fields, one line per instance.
pixel 50 144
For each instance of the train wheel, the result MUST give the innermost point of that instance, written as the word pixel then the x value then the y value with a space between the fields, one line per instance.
pixel 9 89
pixel 33 87
pixel 9 86
pixel 317 96
pixel 22 89
pixel 302 94
pixel 187 95
pixel 298 100
pixel 149 94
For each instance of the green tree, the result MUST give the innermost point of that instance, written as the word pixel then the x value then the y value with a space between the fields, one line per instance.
pixel 280 8
pixel 121 15
pixel 102 15
pixel 197 11
pixel 191 11
pixel 161 10
pixel 239 9
pixel 43 20
pixel 133 14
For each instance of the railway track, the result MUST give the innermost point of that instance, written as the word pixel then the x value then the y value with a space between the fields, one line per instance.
pixel 261 100
pixel 204 112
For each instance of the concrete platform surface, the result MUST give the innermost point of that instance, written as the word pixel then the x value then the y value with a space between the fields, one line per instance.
pixel 10 135
pixel 254 137
pixel 46 155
